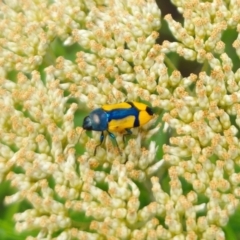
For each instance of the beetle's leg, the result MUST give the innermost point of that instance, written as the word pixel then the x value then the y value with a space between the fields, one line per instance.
pixel 101 140
pixel 129 132
pixel 114 138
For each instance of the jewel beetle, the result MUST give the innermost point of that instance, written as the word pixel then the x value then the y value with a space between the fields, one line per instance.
pixel 118 117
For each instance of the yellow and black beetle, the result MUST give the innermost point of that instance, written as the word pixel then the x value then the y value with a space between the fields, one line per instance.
pixel 117 118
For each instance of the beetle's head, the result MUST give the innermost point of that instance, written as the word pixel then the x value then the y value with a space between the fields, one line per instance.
pixel 87 123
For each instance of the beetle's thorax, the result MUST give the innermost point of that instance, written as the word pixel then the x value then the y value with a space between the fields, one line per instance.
pixel 99 119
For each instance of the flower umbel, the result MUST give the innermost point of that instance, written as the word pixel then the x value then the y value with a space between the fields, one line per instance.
pixel 111 196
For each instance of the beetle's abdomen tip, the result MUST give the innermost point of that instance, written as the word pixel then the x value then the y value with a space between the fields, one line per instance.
pixel 149 110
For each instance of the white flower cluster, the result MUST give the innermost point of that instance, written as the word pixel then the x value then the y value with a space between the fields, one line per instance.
pixel 113 196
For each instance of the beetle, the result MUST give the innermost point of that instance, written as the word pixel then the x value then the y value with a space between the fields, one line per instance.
pixel 118 117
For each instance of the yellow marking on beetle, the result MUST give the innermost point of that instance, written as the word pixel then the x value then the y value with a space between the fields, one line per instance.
pixel 140 106
pixel 144 117
pixel 125 105
pixel 111 107
pixel 119 125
